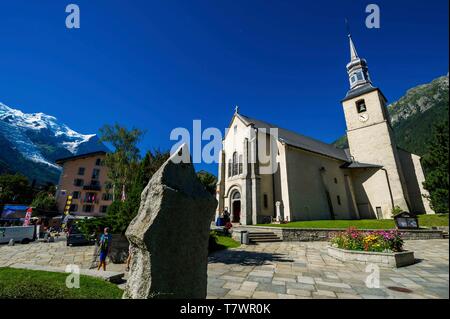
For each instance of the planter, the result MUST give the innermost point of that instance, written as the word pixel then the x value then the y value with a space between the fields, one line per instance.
pixel 394 260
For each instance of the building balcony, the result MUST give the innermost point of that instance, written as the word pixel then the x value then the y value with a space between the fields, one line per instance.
pixel 92 187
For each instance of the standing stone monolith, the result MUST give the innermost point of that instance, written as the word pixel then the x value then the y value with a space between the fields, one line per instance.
pixel 169 236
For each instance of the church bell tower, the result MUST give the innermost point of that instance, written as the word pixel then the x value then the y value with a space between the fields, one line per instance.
pixel 372 143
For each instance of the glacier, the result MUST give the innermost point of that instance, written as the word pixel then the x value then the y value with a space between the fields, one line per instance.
pixel 22 130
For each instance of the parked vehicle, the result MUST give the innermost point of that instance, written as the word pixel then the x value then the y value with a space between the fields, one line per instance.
pixel 75 237
pixel 22 234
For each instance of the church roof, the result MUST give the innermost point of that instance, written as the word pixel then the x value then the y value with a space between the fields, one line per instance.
pixel 359 91
pixel 300 141
pixel 359 165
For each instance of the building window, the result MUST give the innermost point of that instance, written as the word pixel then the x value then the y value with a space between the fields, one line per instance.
pixel 76 195
pixel 335 180
pixel 95 173
pixel 103 209
pixel 90 197
pixel 235 164
pixel 73 208
pixel 361 106
pixel 81 170
pixel 235 129
pixel 266 201
pixel 339 200
pixel 106 196
pixel 98 162
pixel 240 164
pixel 88 208
pixel 78 182
pixel 229 168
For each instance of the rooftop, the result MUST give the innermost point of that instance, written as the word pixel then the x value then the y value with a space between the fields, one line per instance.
pixel 80 156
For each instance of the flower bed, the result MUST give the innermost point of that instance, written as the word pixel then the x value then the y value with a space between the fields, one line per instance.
pixel 379 247
pixel 372 241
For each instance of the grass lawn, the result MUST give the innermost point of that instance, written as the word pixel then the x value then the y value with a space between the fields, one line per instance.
pixel 227 242
pixel 220 242
pixel 424 221
pixel 34 284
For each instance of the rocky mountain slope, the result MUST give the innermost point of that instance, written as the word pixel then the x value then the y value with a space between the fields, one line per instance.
pixel 30 144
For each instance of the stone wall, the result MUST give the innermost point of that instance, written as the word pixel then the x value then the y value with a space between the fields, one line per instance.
pixel 312 234
pixel 395 260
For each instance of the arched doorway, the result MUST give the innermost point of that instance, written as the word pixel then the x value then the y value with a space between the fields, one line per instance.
pixel 236 207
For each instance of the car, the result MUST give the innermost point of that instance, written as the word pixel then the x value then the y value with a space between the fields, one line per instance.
pixel 76 237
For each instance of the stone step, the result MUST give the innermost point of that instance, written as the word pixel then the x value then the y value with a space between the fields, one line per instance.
pixel 266 240
pixel 111 276
pixel 263 237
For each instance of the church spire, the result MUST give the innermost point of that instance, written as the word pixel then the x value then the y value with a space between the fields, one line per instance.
pixel 357 69
pixel 353 53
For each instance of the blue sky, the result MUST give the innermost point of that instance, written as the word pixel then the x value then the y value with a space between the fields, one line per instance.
pixel 159 64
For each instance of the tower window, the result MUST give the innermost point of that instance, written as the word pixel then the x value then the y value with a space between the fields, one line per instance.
pixel 339 200
pixel 361 106
pixel 359 75
pixel 266 201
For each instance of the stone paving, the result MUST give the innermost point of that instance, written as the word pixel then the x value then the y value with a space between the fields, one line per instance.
pixel 56 254
pixel 304 270
pixel 284 270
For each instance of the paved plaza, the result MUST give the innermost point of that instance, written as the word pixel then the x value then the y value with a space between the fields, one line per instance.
pixel 56 254
pixel 280 270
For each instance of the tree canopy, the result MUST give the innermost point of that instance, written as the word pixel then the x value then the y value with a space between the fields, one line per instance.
pixel 15 188
pixel 435 163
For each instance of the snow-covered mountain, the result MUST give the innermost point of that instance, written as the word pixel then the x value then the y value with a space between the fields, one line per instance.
pixel 30 143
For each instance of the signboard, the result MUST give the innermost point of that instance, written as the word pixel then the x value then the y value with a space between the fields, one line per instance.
pixel 28 216
pixel 406 220
pixel 14 211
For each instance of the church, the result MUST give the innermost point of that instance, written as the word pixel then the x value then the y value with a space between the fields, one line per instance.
pixel 311 180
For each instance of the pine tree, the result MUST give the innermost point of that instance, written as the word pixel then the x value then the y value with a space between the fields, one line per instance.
pixel 208 180
pixel 435 163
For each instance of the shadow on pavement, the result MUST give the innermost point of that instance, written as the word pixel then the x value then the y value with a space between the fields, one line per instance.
pixel 246 258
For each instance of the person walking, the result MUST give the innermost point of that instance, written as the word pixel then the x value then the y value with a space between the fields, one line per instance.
pixel 105 247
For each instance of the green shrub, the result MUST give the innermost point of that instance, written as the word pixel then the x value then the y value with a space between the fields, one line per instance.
pixel 396 210
pixel 92 225
pixel 44 202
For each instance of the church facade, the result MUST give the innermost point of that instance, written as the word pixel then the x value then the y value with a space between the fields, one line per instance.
pixel 267 173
